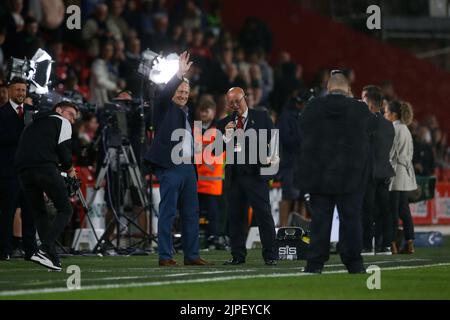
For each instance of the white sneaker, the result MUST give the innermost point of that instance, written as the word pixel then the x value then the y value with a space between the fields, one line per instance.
pixel 45 260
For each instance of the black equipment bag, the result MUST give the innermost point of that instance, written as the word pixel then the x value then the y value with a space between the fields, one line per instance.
pixel 292 243
pixel 425 189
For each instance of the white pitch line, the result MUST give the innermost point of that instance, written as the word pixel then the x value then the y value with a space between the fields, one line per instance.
pixel 218 271
pixel 142 276
pixel 365 262
pixel 158 269
pixel 206 272
pixel 167 275
pixel 210 272
pixel 163 283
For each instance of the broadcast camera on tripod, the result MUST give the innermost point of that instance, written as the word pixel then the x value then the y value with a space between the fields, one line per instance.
pixel 119 140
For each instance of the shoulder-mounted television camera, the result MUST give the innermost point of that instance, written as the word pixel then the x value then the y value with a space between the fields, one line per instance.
pixel 122 119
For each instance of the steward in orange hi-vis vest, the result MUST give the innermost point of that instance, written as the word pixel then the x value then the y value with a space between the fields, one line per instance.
pixel 210 171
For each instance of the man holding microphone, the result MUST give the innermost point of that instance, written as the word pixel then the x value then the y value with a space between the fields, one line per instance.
pixel 244 182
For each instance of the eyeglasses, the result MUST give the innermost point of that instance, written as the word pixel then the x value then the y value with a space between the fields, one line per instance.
pixel 333 72
pixel 236 102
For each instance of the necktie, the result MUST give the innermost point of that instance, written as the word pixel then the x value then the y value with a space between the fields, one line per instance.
pixel 240 123
pixel 20 111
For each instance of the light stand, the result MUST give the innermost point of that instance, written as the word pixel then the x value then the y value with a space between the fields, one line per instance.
pixel 147 142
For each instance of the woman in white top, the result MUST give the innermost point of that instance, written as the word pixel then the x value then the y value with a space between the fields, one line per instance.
pixel 401 115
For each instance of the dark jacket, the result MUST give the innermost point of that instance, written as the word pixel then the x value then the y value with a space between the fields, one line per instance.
pixel 11 127
pixel 382 140
pixel 334 153
pixel 256 120
pixel 290 136
pixel 167 117
pixel 46 142
pixel 423 155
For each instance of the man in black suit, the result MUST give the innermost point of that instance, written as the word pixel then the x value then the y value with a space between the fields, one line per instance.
pixel 290 138
pixel 376 199
pixel 178 181
pixel 11 195
pixel 333 169
pixel 246 183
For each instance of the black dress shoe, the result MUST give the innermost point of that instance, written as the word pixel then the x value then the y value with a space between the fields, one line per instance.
pixel 4 257
pixel 312 270
pixel 233 261
pixel 270 262
pixel 358 271
pixel 356 268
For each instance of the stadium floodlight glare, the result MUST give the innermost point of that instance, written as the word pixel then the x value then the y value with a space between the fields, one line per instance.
pixel 157 68
pixel 36 70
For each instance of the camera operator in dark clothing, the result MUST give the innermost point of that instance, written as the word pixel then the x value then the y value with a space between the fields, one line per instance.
pixel 290 138
pixel 376 199
pixel 45 149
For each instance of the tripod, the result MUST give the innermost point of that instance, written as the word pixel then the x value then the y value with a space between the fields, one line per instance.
pixel 80 196
pixel 122 155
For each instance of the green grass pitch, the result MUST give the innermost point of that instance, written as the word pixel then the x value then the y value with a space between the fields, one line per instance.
pixel 423 275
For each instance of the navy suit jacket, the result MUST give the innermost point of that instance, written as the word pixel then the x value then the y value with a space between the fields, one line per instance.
pixel 382 140
pixel 290 137
pixel 11 127
pixel 167 117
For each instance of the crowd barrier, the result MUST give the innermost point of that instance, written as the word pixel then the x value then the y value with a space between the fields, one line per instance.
pixel 434 211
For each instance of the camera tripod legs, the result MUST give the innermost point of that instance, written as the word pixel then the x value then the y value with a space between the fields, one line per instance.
pixel 135 178
pixel 87 208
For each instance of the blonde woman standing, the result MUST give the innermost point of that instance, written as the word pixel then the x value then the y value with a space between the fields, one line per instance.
pixel 401 115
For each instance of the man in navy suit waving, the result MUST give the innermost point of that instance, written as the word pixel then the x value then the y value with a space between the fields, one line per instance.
pixel 178 181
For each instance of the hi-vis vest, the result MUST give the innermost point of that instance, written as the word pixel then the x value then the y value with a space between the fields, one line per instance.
pixel 210 175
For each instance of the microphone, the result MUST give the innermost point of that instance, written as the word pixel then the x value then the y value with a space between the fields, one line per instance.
pixel 229 132
pixel 234 115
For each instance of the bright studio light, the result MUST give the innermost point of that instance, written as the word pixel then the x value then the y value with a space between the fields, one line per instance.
pixel 42 66
pixel 157 68
pixel 37 71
